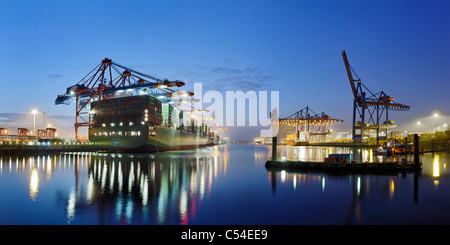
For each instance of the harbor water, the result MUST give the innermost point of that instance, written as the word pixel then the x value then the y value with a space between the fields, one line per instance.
pixel 217 185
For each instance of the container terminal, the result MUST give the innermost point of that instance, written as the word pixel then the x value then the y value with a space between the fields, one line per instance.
pixel 370 119
pixel 371 130
pixel 309 127
pixel 127 111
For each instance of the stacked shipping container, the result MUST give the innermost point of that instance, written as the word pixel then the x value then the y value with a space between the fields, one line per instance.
pixel 141 110
pixel 128 111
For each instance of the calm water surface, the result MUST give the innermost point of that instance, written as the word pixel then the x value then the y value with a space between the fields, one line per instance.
pixel 222 185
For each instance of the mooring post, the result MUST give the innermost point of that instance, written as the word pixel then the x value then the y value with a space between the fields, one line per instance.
pixel 416 149
pixel 274 149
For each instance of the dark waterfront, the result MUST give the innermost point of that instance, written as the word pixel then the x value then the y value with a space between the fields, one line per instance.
pixel 220 185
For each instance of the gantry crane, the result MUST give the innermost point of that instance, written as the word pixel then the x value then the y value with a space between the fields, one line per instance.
pixel 307 123
pixel 108 78
pixel 375 105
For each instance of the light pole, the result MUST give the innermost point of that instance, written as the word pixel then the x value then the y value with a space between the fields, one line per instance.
pixel 435 127
pixel 34 121
pixel 418 123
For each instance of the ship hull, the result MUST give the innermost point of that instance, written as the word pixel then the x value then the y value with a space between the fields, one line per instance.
pixel 143 123
pixel 149 139
pixel 153 148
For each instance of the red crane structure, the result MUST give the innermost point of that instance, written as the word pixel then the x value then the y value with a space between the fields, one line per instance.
pixel 366 103
pixel 104 81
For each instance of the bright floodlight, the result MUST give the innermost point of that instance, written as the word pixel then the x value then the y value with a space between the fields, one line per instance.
pixel 418 123
pixel 436 115
pixel 34 111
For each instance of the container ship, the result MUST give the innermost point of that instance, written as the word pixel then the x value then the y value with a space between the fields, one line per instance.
pixel 143 123
pixel 127 116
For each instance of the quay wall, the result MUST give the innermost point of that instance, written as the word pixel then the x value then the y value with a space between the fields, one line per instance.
pixel 27 147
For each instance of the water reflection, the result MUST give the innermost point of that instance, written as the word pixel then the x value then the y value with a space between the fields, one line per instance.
pixel 319 153
pixel 364 188
pixel 295 180
pixel 177 187
pixel 126 188
pixel 139 186
pixel 34 183
pixel 434 164
pixel 39 168
pixel 357 191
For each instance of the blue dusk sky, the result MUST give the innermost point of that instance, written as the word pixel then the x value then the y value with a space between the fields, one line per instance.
pixel 401 47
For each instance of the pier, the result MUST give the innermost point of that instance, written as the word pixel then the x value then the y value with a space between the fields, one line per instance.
pixel 340 165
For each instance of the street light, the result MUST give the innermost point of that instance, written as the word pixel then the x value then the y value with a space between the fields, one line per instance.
pixel 34 112
pixel 435 127
pixel 418 123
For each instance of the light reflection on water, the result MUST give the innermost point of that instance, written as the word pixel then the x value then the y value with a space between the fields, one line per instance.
pixel 319 153
pixel 187 187
pixel 167 187
pixel 390 188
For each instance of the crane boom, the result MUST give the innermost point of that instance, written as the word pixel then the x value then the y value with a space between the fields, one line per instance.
pixel 350 77
pixel 374 104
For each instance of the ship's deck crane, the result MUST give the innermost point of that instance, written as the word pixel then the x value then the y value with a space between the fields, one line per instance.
pixel 109 78
pixel 375 104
